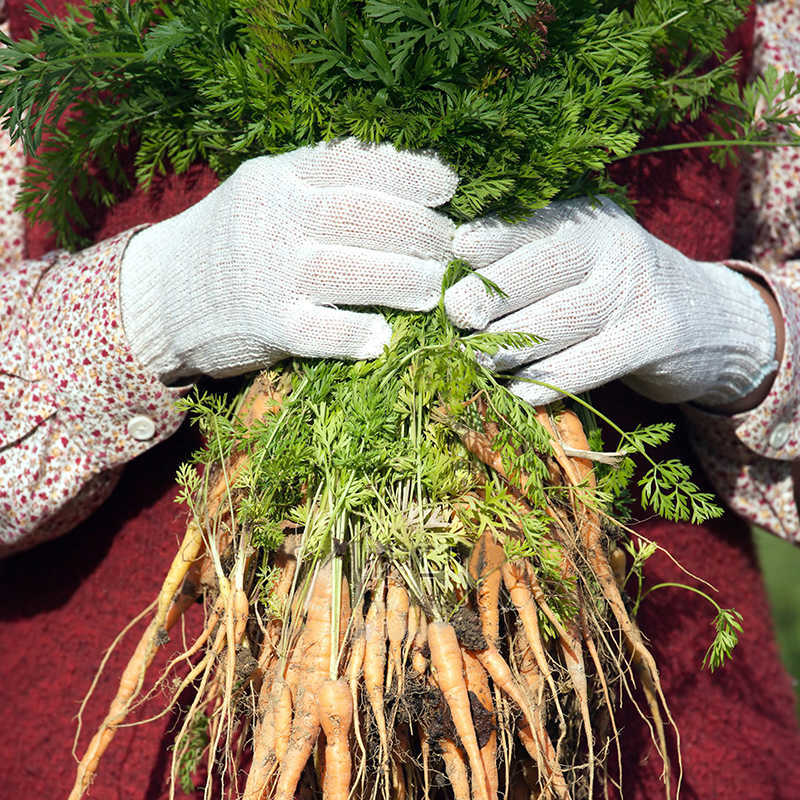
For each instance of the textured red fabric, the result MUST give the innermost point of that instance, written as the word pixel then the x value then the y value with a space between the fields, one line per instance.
pixel 64 602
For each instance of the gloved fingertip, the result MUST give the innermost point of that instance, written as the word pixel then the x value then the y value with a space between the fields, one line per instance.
pixel 486 361
pixel 462 238
pixel 465 304
pixel 378 335
pixel 532 394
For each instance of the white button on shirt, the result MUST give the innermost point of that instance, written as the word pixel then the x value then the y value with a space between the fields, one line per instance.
pixel 141 428
pixel 779 435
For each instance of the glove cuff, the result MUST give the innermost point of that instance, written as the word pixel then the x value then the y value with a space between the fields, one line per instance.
pixel 142 301
pixel 747 357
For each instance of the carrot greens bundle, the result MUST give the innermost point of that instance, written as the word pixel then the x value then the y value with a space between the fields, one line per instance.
pixel 408 584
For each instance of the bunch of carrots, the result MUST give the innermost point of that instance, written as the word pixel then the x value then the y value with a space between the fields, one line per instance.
pixel 346 673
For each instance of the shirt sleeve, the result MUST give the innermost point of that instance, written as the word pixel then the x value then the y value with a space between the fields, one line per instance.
pixel 76 405
pixel 749 457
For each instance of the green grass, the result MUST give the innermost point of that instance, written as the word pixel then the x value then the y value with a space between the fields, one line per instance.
pixel 780 561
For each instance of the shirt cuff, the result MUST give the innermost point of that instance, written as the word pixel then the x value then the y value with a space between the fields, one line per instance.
pixel 80 367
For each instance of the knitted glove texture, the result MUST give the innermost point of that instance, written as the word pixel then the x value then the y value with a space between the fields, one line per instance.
pixel 611 301
pixel 257 269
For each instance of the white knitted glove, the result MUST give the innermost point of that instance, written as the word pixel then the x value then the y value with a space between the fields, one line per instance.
pixel 253 272
pixel 611 301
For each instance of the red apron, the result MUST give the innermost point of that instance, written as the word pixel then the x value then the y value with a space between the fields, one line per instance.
pixel 62 603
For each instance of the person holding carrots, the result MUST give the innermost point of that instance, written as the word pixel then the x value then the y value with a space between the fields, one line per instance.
pixel 97 345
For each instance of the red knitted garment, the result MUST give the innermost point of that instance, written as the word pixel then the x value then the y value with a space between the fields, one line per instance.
pixel 64 602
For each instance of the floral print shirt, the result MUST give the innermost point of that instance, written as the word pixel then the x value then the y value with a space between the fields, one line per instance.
pixel 77 406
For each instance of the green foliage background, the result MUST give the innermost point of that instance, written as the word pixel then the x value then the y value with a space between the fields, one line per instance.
pixel 780 562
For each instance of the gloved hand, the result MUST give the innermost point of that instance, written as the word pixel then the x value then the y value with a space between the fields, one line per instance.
pixel 253 272
pixel 612 301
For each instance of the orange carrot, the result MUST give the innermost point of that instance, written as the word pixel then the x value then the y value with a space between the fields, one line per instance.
pixel 573 435
pixel 448 670
pixel 336 717
pixel 501 674
pixel 283 718
pixel 485 562
pixel 478 683
pixel 515 578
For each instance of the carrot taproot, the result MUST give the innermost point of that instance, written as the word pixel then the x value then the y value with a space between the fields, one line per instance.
pixel 374 669
pixel 336 717
pixel 396 629
pixel 313 652
pixel 499 671
pixel 419 661
pixel 573 435
pixel 485 563
pixel 448 672
pixel 455 766
pixel 358 646
pixel 283 719
pixel 477 682
pixel 411 632
pixel 515 577
pixel 130 683
pixel 264 759
pixel 425 752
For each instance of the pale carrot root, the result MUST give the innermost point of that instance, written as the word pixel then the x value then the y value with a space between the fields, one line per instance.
pixel 313 652
pixel 133 676
pixel 336 718
pixel 419 662
pixel 455 766
pixel 263 743
pixel 396 629
pixel 413 626
pixel 533 734
pixel 579 470
pixel 618 566
pixel 572 651
pixel 448 671
pixel 374 670
pixel 425 749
